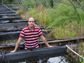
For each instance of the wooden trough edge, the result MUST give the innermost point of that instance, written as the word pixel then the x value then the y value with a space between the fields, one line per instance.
pixel 9 47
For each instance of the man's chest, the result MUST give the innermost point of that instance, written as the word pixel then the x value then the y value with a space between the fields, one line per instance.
pixel 31 32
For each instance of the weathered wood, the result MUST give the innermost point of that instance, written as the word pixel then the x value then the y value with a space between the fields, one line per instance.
pixel 42 44
pixel 8 14
pixel 7 48
pixel 16 29
pixel 13 24
pixel 10 18
pixel 53 43
pixel 5 10
pixel 10 30
pixel 15 21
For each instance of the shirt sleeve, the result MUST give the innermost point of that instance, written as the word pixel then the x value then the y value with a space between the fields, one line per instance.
pixel 22 34
pixel 40 32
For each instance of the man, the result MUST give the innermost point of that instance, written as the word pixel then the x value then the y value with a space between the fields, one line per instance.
pixel 31 34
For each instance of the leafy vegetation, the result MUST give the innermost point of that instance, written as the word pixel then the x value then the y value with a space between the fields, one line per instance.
pixel 35 3
pixel 7 1
pixel 63 18
pixel 81 50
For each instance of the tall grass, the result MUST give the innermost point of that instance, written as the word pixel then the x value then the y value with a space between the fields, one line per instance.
pixel 38 13
pixel 82 2
pixel 7 1
pixel 62 32
pixel 35 3
pixel 20 11
pixel 29 3
pixel 63 14
pixel 81 50
pixel 63 18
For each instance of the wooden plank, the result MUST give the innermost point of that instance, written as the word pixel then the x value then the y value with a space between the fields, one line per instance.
pixel 15 21
pixel 13 24
pixel 7 12
pixel 9 30
pixel 3 10
pixel 14 14
pixel 10 18
pixel 42 44
pixel 17 29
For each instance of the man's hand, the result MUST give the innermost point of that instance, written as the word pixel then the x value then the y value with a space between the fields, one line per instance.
pixel 13 51
pixel 17 44
pixel 50 46
pixel 45 41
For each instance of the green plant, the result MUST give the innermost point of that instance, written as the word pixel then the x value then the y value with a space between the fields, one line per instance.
pixel 21 11
pixel 35 3
pixel 82 2
pixel 80 59
pixel 63 19
pixel 63 32
pixel 62 14
pixel 7 1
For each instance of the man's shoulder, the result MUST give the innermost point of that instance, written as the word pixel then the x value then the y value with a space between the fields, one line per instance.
pixel 36 27
pixel 25 28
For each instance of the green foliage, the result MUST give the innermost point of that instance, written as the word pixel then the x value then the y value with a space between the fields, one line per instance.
pixel 81 60
pixel 81 14
pixel 7 2
pixel 27 14
pixel 82 2
pixel 63 18
pixel 29 3
pixel 35 3
pixel 67 2
pixel 63 32
pixel 61 15
pixel 21 11
pixel 59 21
pixel 44 18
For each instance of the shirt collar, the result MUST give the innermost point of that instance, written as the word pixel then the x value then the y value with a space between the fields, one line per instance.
pixel 30 29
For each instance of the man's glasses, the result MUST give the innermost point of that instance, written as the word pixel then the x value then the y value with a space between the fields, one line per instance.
pixel 31 21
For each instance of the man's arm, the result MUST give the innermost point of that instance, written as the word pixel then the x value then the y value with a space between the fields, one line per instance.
pixel 17 44
pixel 45 41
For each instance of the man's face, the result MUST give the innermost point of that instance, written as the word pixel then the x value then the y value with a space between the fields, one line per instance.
pixel 31 22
